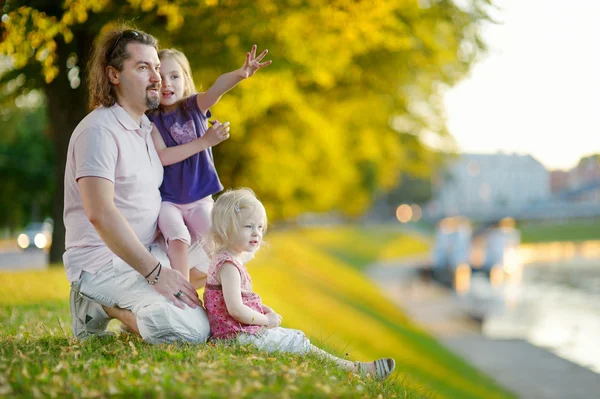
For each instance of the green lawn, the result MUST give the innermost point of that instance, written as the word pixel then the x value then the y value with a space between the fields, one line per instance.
pixel 314 291
pixel 579 230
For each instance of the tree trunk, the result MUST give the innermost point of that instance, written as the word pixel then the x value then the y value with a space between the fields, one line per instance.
pixel 66 108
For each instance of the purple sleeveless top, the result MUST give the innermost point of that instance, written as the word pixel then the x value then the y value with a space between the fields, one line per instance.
pixel 195 177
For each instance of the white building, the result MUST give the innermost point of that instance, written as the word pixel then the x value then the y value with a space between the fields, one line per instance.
pixel 489 185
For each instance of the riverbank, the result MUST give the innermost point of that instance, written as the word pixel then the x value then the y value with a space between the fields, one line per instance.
pixel 526 370
pixel 314 279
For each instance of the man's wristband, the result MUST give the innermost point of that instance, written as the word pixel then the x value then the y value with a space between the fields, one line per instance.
pixel 152 282
pixel 155 267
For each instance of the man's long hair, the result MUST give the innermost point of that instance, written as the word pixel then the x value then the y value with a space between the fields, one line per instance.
pixel 102 91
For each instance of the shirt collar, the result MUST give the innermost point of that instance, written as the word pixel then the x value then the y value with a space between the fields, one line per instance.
pixel 128 123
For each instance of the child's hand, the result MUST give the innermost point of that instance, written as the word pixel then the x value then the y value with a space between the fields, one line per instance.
pixel 267 310
pixel 253 63
pixel 217 133
pixel 273 320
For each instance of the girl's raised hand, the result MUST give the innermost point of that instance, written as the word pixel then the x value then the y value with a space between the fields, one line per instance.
pixel 252 63
pixel 217 133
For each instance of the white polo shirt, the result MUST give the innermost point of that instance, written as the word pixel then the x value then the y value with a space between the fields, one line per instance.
pixel 108 143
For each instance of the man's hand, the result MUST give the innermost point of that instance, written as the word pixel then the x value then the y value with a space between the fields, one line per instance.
pixel 252 63
pixel 170 283
pixel 217 133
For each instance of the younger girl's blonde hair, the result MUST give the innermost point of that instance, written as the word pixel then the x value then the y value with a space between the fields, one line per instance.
pixel 228 213
pixel 188 81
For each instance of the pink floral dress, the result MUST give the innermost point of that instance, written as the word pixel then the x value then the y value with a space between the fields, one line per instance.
pixel 222 325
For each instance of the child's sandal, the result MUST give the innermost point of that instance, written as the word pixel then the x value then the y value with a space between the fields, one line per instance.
pixel 383 368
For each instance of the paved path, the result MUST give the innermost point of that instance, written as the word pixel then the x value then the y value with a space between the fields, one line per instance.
pixel 20 260
pixel 526 370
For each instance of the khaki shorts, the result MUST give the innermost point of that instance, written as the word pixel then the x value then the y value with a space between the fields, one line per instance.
pixel 159 321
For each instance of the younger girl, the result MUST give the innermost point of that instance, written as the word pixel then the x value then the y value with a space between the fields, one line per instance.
pixel 239 222
pixel 183 142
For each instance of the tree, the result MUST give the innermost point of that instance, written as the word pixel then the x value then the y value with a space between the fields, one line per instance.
pixel 26 167
pixel 332 122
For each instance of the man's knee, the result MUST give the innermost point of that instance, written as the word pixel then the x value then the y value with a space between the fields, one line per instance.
pixel 163 322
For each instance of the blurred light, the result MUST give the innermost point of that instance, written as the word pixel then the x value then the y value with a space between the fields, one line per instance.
pixel 473 168
pixel 496 276
pixel 404 213
pixel 23 241
pixel 31 99
pixel 416 212
pixel 42 55
pixel 72 60
pixel 462 278
pixel 507 222
pixel 40 240
pixel 512 261
pixel 75 83
pixel 5 18
pixel 73 73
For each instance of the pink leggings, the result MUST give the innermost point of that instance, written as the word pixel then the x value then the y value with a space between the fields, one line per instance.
pixel 185 222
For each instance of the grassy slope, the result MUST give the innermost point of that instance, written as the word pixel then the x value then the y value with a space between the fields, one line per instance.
pixel 314 292
pixel 360 246
pixel 572 231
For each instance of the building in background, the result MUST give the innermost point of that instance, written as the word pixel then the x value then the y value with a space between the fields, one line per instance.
pixel 586 172
pixel 559 181
pixel 489 186
pixel 583 182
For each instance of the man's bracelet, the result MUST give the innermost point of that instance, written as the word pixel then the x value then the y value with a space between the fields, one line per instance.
pixel 155 267
pixel 152 282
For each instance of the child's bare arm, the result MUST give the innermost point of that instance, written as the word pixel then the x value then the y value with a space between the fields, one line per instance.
pixel 267 310
pixel 230 282
pixel 229 80
pixel 170 155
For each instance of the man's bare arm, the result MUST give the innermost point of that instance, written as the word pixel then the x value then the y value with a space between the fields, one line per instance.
pixel 97 195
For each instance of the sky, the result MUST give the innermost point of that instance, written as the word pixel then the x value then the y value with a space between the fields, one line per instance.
pixel 537 90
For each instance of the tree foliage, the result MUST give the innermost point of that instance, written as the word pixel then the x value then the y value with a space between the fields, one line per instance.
pixel 331 123
pixel 26 168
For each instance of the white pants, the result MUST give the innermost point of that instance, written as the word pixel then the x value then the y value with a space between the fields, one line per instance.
pixel 278 339
pixel 159 321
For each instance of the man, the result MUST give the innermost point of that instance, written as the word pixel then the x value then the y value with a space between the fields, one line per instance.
pixel 112 201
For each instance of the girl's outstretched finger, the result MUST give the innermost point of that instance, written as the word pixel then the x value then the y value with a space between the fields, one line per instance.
pixel 262 55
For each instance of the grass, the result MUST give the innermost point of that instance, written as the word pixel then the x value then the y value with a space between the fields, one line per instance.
pixel 314 291
pixel 576 230
pixel 361 246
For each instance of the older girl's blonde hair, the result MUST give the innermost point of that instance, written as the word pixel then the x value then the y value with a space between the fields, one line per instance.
pixel 189 87
pixel 228 214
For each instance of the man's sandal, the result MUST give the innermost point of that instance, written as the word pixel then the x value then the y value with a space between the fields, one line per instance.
pixel 383 368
